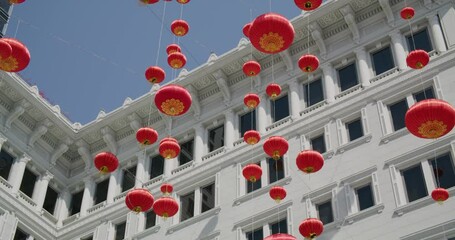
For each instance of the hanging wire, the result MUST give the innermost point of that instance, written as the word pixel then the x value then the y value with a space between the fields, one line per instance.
pixel 161 34
pixel 17 27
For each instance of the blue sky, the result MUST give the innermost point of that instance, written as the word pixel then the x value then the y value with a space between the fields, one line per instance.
pixel 89 55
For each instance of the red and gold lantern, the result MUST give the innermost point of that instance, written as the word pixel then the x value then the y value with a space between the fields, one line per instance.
pixel 166 189
pixel 19 58
pixel 251 100
pixel 183 1
pixel 173 100
pixel 311 228
pixel 176 60
pixel 308 63
pixel 172 48
pixel 246 30
pixel 273 90
pixel 251 137
pixel 5 50
pixel 277 193
pixel 16 1
pixel 169 148
pixel 417 59
pixel 252 172
pixel 430 118
pixel 271 33
pixel 179 27
pixel 165 207
pixel 106 162
pixel 308 5
pixel 407 13
pixel 276 147
pixel 146 136
pixel 139 200
pixel 280 236
pixel 440 195
pixel 155 74
pixel 309 161
pixel 149 1
pixel 251 68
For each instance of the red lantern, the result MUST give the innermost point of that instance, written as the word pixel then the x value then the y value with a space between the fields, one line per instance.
pixel 179 27
pixel 106 162
pixel 251 68
pixel 251 137
pixel 146 136
pixel 417 59
pixel 277 193
pixel 149 1
pixel 251 100
pixel 309 161
pixel 176 60
pixel 166 189
pixel 165 207
pixel 311 228
pixel 252 172
pixel 19 58
pixel 246 30
pixel 271 33
pixel 308 63
pixel 308 5
pixel 430 118
pixel 280 236
pixel 169 148
pixel 5 50
pixel 407 13
pixel 273 90
pixel 276 147
pixel 173 100
pixel 440 195
pixel 139 200
pixel 155 74
pixel 172 48
pixel 16 1
pixel 183 1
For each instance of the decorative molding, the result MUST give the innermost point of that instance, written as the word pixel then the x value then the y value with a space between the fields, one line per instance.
pixel 109 139
pixel 349 17
pixel 39 131
pixel 287 59
pixel 84 152
pixel 221 81
pixel 385 5
pixel 210 213
pixel 18 110
pixel 195 105
pixel 316 34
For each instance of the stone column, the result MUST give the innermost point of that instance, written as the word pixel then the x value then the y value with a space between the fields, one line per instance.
pixel 17 172
pixel 89 192
pixel 364 70
pixel 436 31
pixel 8 224
pixel 229 129
pixel 262 114
pixel 294 98
pixel 140 169
pixel 169 165
pixel 197 201
pixel 62 210
pixel 112 190
pixel 329 84
pixel 199 146
pixel 398 49
pixel 3 139
pixel 39 192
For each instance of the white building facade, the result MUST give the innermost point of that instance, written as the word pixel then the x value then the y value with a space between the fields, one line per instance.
pixel 376 180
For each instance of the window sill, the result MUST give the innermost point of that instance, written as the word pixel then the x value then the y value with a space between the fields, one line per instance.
pixel 332 225
pixel 146 232
pixel 71 219
pixel 120 196
pixel 97 207
pixel 183 167
pixel 263 190
pixel 349 91
pixel 214 153
pixel 417 204
pixel 47 215
pixel 328 155
pixel 385 74
pixel 195 219
pixel 364 213
pixel 392 136
pixel 355 143
pixel 314 108
pixel 279 123
pixel 153 181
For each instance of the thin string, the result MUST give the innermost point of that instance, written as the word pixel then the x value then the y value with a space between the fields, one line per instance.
pixel 161 34
pixel 17 27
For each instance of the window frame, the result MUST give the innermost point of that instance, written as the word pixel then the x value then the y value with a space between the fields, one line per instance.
pixel 304 87
pixel 322 195
pixel 272 105
pixel 418 28
pixel 216 126
pixel 378 48
pixel 344 64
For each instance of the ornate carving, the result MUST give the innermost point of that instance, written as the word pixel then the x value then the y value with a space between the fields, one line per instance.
pixel 316 34
pixel 385 5
pixel 286 57
pixel 204 82
pixel 221 81
pixel 19 109
pixel 83 150
pixel 349 17
pixel 39 131
pixel 196 106
pixel 135 121
pixel 109 139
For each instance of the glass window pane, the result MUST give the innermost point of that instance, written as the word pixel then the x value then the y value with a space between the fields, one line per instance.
pixel 443 171
pixel 156 166
pixel 383 60
pixel 186 152
pixel 365 197
pixel 150 219
pixel 208 197
pixel 87 238
pixel 355 129
pixel 279 227
pixel 276 169
pixel 187 205
pixel 325 212
pixel 313 92
pixel 50 200
pixel 28 182
pixel 257 234
pixel 250 186
pixel 101 191
pixel 216 138
pixel 348 77
pixel 20 235
pixel 398 111
pixel 280 108
pixel 129 178
pixel 425 94
pixel 120 231
pixel 6 161
pixel 414 183
pixel 76 201
pixel 247 122
pixel 422 41
pixel 318 144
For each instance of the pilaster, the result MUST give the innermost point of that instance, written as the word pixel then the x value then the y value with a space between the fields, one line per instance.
pixel 87 199
pixel 364 70
pixel 199 145
pixel 112 190
pixel 229 129
pixel 17 172
pixel 438 37
pixel 294 98
pixel 40 190
pixel 329 84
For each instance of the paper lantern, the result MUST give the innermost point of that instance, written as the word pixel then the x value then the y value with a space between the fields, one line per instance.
pixel 183 1
pixel 106 162
pixel 16 1
pixel 173 100
pixel 417 59
pixel 155 74
pixel 146 136
pixel 165 207
pixel 273 90
pixel 252 172
pixel 251 137
pixel 407 13
pixel 139 200
pixel 5 50
pixel 149 1
pixel 440 195
pixel 308 63
pixel 251 68
pixel 169 148
pixel 166 189
pixel 251 100
pixel 280 236
pixel 176 60
pixel 309 161
pixel 180 27
pixel 308 5
pixel 19 58
pixel 430 118
pixel 271 33
pixel 276 147
pixel 172 48
pixel 246 30
pixel 311 228
pixel 277 193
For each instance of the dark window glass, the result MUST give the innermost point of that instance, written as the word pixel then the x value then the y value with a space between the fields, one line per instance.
pixel 382 60
pixel 280 108
pixel 398 111
pixel 318 144
pixel 87 238
pixel 5 5
pixel 186 152
pixel 253 186
pixel 414 183
pixel 50 200
pixel 365 197
pixel 276 169
pixel 76 201
pixel 257 234
pixel 422 41
pixel 20 235
pixel 129 178
pixel 325 212
pixel 348 77
pixel 6 161
pixel 28 182
pixel 313 92
pixel 101 191
pixel 425 94
pixel 187 205
pixel 355 129
pixel 216 138
pixel 279 227
pixel 444 171
pixel 208 197
pixel 247 122
pixel 150 219
pixel 120 231
pixel 156 166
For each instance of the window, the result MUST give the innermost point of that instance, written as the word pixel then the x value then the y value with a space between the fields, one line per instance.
pixel 325 212
pixel 216 138
pixel 443 170
pixel 398 111
pixel 150 219
pixel 28 182
pixel 279 227
pixel 87 238
pixel 256 234
pixel 276 169
pixel 250 186
pixel 355 130
pixel 156 166
pixel 186 152
pixel 280 108
pixel 120 231
pixel 382 60
pixel 76 201
pixel 50 200
pixel 208 197
pixel 313 92
pixel 318 144
pixel 6 161
pixel 348 77
pixel 365 197
pixel 414 182
pixel 421 39
pixel 247 122
pixel 187 206
pixel 101 191
pixel 129 178
pixel 20 235
pixel 424 94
